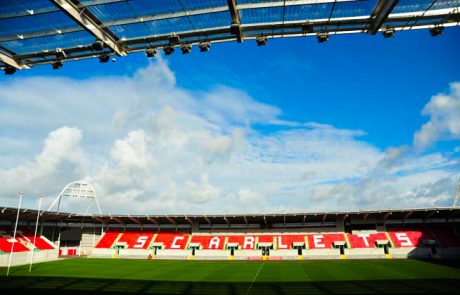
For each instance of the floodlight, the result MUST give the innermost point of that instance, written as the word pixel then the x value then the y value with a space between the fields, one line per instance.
pixel 388 33
pixel 322 37
pixel 57 65
pixel 98 45
pixel 205 46
pixel 104 58
pixel 261 40
pixel 174 39
pixel 436 31
pixel 151 52
pixel 169 50
pixel 10 70
pixel 186 48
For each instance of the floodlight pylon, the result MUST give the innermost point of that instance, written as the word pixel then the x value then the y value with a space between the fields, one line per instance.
pixel 77 189
pixel 457 195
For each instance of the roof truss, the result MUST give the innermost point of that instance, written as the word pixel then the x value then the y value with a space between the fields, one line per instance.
pixel 90 23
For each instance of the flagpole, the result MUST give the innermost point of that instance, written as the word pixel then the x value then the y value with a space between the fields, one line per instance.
pixel 35 234
pixel 14 234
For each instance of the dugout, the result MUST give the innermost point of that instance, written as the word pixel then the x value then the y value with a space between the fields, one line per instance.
pixel 341 245
pixel 299 246
pixel 265 247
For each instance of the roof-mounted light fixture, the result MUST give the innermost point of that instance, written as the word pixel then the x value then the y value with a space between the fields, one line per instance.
pixel 151 52
pixel 437 30
pixel 57 65
pixel 261 40
pixel 186 48
pixel 388 32
pixel 104 58
pixel 205 46
pixel 168 50
pixel 322 37
pixel 9 70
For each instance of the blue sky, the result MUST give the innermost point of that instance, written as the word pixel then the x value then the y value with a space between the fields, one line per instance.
pixel 261 109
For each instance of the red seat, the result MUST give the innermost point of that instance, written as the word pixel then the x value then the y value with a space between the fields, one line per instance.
pixel 209 242
pixel 324 240
pixel 107 240
pixel 5 245
pixel 174 241
pixel 38 241
pixel 403 238
pixel 286 241
pixel 446 236
pixel 247 242
pixel 365 240
pixel 136 240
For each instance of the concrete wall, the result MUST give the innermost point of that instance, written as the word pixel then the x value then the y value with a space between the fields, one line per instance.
pixel 21 258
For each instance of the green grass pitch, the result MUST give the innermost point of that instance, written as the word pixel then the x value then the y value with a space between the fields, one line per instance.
pixel 99 276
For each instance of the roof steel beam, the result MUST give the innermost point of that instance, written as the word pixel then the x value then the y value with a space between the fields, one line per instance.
pixel 10 61
pixel 118 220
pixel 207 219
pixel 135 220
pixel 282 3
pixel 408 214
pixel 431 214
pixel 87 21
pixel 379 15
pixel 54 9
pixel 99 219
pixel 432 14
pixel 153 220
pixel 235 26
pixel 173 221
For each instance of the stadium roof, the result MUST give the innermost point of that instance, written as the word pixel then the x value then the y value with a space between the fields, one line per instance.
pixel 45 31
pixel 299 219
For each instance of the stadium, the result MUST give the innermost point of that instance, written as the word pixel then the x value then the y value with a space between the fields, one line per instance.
pixel 396 246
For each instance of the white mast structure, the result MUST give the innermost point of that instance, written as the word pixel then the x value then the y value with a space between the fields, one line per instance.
pixel 77 190
pixel 457 195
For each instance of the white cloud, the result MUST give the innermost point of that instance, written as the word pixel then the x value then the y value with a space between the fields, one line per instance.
pixel 150 146
pixel 444 112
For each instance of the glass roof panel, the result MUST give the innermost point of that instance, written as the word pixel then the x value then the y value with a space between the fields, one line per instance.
pixel 307 12
pixel 411 6
pixel 355 8
pixel 49 43
pixel 159 27
pixel 35 23
pixel 12 7
pixel 134 8
pixel 211 20
pixel 200 4
pixel 441 4
pixel 261 15
pixel 256 1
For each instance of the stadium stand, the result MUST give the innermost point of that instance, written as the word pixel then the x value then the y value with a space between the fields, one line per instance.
pixel 136 240
pixel 409 238
pixel 209 242
pixel 108 239
pixel 445 235
pixel 377 235
pixel 365 239
pixel 41 243
pixel 6 243
pixel 324 240
pixel 172 241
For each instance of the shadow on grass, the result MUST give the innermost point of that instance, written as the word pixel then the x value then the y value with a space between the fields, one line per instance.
pixel 455 263
pixel 69 286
